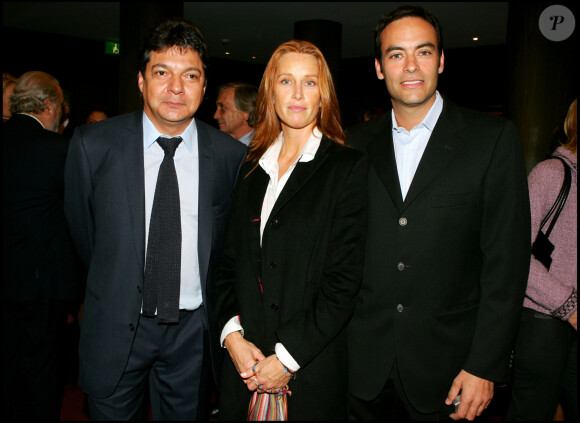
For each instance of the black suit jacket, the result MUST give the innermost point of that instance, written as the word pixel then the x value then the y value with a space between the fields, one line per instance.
pixel 445 269
pixel 38 258
pixel 105 206
pixel 299 287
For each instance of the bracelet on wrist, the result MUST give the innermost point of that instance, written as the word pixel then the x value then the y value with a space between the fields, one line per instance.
pixel 287 370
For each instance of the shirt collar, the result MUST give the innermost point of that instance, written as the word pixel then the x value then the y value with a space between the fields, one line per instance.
pixel 246 139
pixel 269 161
pixel 430 120
pixel 150 134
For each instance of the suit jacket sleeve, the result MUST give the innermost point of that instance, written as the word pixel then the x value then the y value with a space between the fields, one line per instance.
pixel 505 246
pixel 225 274
pixel 78 197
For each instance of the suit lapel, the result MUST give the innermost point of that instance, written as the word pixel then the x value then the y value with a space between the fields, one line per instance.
pixel 205 199
pixel 382 157
pixel 258 183
pixel 132 145
pixel 443 145
pixel 300 175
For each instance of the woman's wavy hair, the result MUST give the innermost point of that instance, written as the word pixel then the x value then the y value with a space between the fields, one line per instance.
pixel 268 125
pixel 570 127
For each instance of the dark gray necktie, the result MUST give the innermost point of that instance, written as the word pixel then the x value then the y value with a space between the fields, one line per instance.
pixel 163 262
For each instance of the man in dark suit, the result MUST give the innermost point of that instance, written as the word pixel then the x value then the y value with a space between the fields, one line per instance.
pixel 40 268
pixel 111 176
pixel 448 242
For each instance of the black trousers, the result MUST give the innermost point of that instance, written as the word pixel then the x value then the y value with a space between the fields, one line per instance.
pixel 392 405
pixel 32 359
pixel 545 369
pixel 173 360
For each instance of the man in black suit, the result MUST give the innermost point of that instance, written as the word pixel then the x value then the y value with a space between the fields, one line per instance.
pixel 40 268
pixel 111 175
pixel 448 242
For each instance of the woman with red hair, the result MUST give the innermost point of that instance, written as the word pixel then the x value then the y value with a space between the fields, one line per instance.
pixel 293 256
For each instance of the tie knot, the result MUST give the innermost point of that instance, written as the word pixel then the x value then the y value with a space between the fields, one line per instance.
pixel 169 145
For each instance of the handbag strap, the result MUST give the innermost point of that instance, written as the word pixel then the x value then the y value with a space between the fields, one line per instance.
pixel 560 201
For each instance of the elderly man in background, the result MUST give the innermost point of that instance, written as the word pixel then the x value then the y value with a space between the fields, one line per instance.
pixel 40 268
pixel 235 113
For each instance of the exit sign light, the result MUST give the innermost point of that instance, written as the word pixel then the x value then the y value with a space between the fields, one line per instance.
pixel 112 47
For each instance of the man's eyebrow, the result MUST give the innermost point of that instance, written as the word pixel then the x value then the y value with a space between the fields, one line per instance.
pixel 427 44
pixel 165 66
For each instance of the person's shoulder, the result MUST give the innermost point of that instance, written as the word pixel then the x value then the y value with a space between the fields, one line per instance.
pixel 360 134
pixel 552 168
pixel 471 117
pixel 27 128
pixel 223 141
pixel 111 127
pixel 342 154
pixel 372 126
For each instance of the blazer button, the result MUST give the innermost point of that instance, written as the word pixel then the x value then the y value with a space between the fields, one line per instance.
pixel 401 266
pixel 400 308
pixel 140 290
pixel 273 265
pixel 274 223
pixel 274 307
pixel 131 327
pixel 403 221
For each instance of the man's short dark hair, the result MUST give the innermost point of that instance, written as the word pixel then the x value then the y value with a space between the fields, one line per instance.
pixel 175 32
pixel 245 96
pixel 407 12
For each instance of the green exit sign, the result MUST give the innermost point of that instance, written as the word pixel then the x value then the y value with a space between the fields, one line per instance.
pixel 112 47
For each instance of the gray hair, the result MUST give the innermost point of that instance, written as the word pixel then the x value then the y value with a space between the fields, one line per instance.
pixel 30 91
pixel 245 96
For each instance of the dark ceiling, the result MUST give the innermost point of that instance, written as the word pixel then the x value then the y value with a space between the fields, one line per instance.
pixel 254 29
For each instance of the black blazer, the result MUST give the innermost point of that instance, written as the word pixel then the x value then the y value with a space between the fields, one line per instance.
pixel 105 207
pixel 445 269
pixel 38 257
pixel 299 287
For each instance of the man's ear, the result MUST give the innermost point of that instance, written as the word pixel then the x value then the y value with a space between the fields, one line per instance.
pixel 379 69
pixel 140 80
pixel 48 105
pixel 441 62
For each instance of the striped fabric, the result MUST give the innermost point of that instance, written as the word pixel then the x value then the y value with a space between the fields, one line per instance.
pixel 269 406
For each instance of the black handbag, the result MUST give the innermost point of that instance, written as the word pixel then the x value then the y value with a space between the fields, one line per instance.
pixel 542 248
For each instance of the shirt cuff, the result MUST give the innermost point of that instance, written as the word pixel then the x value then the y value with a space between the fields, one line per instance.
pixel 568 308
pixel 285 357
pixel 233 325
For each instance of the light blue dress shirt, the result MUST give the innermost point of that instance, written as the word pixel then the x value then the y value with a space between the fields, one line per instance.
pixel 410 145
pixel 187 168
pixel 247 139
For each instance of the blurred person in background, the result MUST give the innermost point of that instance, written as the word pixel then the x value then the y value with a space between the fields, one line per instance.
pixel 8 81
pixel 545 363
pixel 236 110
pixel 41 271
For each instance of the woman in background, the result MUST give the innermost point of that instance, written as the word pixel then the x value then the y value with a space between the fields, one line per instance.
pixel 545 356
